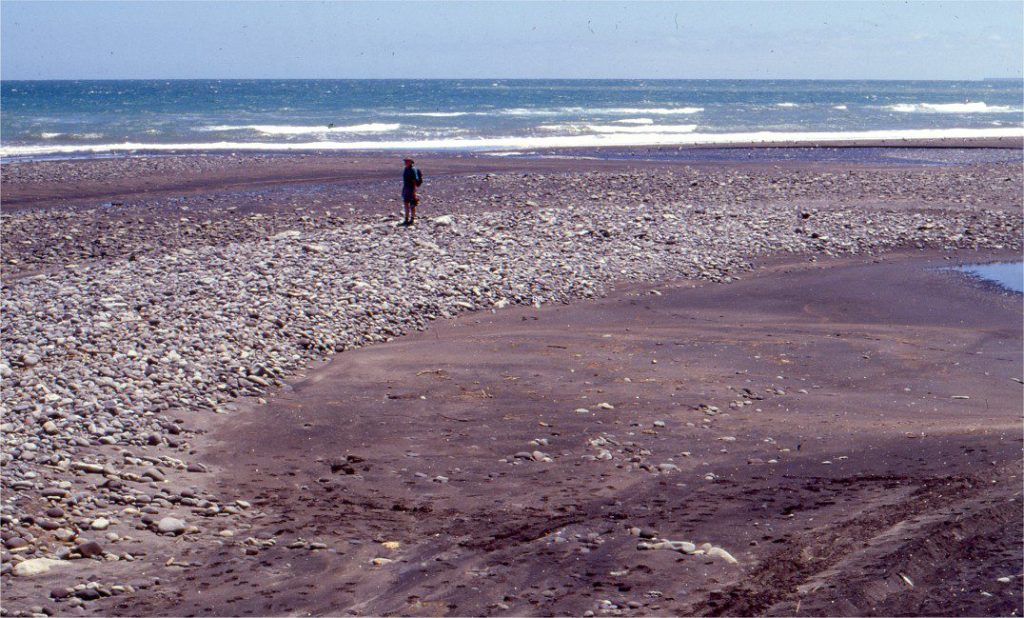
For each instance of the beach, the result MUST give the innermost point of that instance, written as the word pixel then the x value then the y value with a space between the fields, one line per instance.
pixel 706 382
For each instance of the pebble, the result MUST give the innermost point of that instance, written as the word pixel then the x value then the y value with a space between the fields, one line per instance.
pixel 89 549
pixel 101 523
pixel 718 552
pixel 171 525
pixel 37 566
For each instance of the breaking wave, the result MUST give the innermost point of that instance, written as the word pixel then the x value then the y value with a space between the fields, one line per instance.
pixel 286 129
pixel 978 107
pixel 619 138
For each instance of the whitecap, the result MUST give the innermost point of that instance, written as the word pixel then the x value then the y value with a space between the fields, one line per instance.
pixel 575 129
pixel 441 114
pixel 651 110
pixel 650 129
pixel 635 121
pixel 524 111
pixel 976 107
pixel 841 107
pixel 50 135
pixel 786 104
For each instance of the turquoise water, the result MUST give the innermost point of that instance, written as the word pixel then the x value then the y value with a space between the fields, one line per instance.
pixel 1009 275
pixel 117 117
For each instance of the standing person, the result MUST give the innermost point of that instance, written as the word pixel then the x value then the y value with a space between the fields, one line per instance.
pixel 411 178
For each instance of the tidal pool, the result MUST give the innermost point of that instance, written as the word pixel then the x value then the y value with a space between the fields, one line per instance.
pixel 1009 275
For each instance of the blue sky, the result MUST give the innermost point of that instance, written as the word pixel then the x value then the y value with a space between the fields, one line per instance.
pixel 700 40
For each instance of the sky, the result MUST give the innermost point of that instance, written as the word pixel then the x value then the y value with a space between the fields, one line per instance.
pixel 672 40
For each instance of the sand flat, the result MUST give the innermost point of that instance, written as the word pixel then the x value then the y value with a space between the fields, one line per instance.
pixel 825 497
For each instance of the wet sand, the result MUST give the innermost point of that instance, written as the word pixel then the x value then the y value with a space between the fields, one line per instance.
pixel 848 429
pixel 850 432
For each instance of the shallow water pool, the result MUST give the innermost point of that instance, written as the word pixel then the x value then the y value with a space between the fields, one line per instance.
pixel 1009 275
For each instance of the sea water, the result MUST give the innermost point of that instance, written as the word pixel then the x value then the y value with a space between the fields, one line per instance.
pixel 1009 275
pixel 41 118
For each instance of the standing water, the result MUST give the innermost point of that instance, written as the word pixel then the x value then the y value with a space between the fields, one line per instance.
pixel 1009 275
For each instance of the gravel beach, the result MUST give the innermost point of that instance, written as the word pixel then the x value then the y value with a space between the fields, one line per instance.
pixel 161 313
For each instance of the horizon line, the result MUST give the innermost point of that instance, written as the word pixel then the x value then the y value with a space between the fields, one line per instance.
pixel 427 79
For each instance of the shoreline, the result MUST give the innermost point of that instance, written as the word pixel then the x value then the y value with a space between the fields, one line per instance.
pixel 192 310
pixel 33 184
pixel 1015 142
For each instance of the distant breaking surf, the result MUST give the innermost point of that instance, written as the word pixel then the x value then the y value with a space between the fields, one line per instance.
pixel 611 139
pixel 978 107
pixel 268 129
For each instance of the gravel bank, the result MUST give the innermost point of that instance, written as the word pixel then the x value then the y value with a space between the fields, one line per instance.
pixel 145 223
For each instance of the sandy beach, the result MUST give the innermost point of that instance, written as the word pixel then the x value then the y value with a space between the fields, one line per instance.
pixel 705 383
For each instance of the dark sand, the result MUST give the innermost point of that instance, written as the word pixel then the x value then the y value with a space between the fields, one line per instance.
pixel 920 484
pixel 876 469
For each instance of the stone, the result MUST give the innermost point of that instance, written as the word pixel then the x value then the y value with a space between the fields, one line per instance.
pixel 90 549
pixel 100 523
pixel 154 474
pixel 88 594
pixel 171 525
pixel 718 552
pixel 37 566
pixel 87 467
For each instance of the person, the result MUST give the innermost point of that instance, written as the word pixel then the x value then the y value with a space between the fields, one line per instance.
pixel 411 178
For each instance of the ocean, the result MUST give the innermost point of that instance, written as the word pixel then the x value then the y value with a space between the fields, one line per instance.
pixel 43 119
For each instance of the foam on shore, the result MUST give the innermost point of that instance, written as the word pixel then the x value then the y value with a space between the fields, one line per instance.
pixel 614 139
